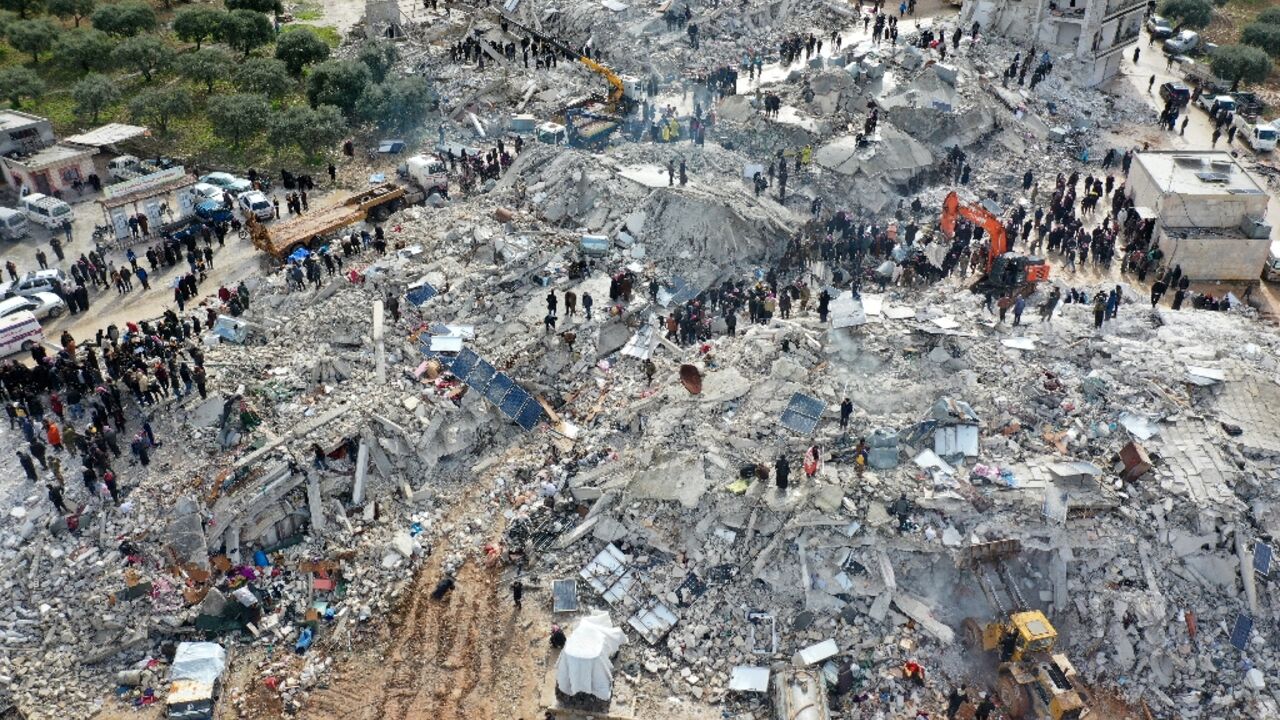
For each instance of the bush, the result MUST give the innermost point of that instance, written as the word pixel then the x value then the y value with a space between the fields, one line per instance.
pixel 1262 36
pixel 197 24
pixel 398 104
pixel 84 49
pixel 125 19
pixel 239 116
pixel 32 36
pixel 259 6
pixel 262 76
pixel 1241 63
pixel 246 30
pixel 93 94
pixel 158 106
pixel 378 56
pixel 300 48
pixel 147 54
pixel 1187 13
pixel 19 82
pixel 71 9
pixel 205 66
pixel 338 83
pixel 308 129
pixel 1270 16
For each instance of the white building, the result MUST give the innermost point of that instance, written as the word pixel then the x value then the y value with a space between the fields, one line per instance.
pixel 1210 213
pixel 1086 38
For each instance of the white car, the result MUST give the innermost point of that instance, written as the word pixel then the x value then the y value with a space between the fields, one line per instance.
pixel 35 281
pixel 256 204
pixel 42 305
pixel 206 191
pixel 227 181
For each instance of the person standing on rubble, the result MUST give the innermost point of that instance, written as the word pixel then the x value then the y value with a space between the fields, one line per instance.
pixel 812 461
pixel 517 594
pixel 1100 310
pixel 587 302
pixel 985 708
pixel 570 303
pixel 955 701
pixel 1018 306
pixel 28 466
pixel 781 470
pixel 1046 310
pixel 846 410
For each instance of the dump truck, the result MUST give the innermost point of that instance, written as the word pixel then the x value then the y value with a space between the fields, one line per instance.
pixel 430 174
pixel 1033 681
pixel 377 203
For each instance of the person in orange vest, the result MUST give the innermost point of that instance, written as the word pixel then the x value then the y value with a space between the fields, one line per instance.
pixel 54 434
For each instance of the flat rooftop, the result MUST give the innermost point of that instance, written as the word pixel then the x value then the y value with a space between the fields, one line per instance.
pixel 1198 173
pixel 53 155
pixel 14 119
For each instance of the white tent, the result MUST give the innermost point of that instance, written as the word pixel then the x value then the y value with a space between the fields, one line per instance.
pixel 584 665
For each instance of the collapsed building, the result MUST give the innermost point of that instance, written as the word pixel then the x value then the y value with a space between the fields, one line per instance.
pixel 1133 466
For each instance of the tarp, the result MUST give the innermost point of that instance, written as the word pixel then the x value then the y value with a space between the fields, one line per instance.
pixel 584 665
pixel 202 661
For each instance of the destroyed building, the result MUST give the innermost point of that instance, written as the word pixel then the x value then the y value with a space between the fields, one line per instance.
pixel 462 440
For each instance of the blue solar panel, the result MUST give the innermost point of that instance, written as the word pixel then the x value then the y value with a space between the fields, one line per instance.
pixel 498 389
pixel 464 364
pixel 529 415
pixel 806 405
pixel 512 403
pixel 421 294
pixel 1262 558
pixel 800 423
pixel 1240 633
pixel 481 376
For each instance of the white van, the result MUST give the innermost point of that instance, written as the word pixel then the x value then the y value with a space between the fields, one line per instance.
pixel 13 224
pixel 19 331
pixel 46 210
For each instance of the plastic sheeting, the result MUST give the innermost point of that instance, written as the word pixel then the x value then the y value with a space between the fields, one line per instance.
pixel 201 661
pixel 584 665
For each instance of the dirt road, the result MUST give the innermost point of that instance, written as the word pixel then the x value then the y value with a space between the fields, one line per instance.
pixel 469 657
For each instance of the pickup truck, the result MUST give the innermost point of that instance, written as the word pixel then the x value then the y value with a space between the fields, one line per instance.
pixel 128 167
pixel 1213 103
pixel 1259 136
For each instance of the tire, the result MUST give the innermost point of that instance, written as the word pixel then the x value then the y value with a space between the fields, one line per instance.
pixel 244 234
pixel 28 344
pixel 56 312
pixel 972 634
pixel 1015 698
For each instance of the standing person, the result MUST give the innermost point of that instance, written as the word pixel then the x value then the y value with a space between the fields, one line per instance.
pixel 55 496
pixel 649 371
pixel 1100 311
pixel 109 479
pixel 955 701
pixel 811 461
pixel 782 470
pixel 139 448
pixel 985 709
pixel 517 593
pixel 38 452
pixel 587 302
pixel 28 466
pixel 1018 306
pixel 570 303
pixel 846 409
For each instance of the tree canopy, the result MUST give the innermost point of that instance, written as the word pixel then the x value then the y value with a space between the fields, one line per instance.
pixel 19 82
pixel 198 23
pixel 1241 63
pixel 125 19
pixel 93 94
pixel 76 10
pixel 246 30
pixel 299 48
pixel 32 36
pixel 264 76
pixel 157 107
pixel 1187 13
pixel 147 54
pixel 83 49
pixel 339 83
pixel 205 66
pixel 238 116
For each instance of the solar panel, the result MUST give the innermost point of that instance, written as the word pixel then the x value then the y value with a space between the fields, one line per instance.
pixel 419 295
pixel 498 389
pixel 1240 633
pixel 529 415
pixel 807 405
pixel 464 364
pixel 799 423
pixel 1262 558
pixel 564 594
pixel 481 376
pixel 512 403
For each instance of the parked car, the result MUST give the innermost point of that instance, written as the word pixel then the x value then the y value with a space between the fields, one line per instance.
pixel 256 204
pixel 1175 92
pixel 42 305
pixel 45 210
pixel 227 181
pixel 206 191
pixel 34 281
pixel 213 211
pixel 1184 42
pixel 1213 103
pixel 13 224
pixel 1159 28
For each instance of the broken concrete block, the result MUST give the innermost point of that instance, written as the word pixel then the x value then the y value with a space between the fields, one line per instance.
pixel 945 73
pixel 403 543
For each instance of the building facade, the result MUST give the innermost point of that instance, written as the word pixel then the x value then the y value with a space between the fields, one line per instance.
pixel 22 133
pixel 1211 215
pixel 1085 38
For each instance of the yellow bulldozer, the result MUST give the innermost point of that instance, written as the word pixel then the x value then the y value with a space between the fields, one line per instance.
pixel 1033 681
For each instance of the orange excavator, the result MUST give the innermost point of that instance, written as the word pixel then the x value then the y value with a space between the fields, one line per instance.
pixel 1005 271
